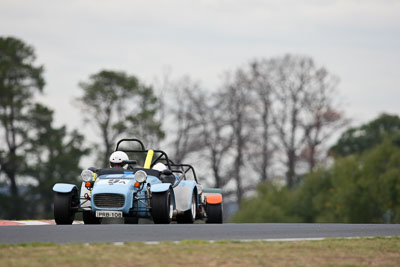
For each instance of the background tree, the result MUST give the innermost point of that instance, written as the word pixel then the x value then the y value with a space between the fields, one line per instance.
pixel 322 116
pixel 236 102
pixel 287 104
pixel 304 114
pixel 179 121
pixel 366 188
pixel 33 153
pixel 118 104
pixel 260 83
pixel 54 156
pixel 366 136
pixel 198 129
pixel 359 188
pixel 213 134
pixel 20 79
pixel 270 204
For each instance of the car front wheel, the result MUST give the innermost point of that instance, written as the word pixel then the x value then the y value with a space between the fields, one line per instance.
pixel 64 207
pixel 162 207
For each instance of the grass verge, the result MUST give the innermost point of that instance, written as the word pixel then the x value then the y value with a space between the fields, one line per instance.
pixel 330 252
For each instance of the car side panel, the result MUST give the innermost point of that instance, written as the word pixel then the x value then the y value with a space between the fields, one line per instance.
pixel 183 195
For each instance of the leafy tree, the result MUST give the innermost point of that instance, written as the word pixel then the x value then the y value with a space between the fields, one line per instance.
pixel 356 189
pixel 118 105
pixel 270 204
pixel 367 186
pixel 54 156
pixel 312 197
pixel 369 135
pixel 19 80
pixel 32 151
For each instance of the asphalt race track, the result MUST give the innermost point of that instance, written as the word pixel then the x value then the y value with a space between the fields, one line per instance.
pixel 177 232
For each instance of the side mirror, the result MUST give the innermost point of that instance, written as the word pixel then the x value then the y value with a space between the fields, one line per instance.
pixel 167 172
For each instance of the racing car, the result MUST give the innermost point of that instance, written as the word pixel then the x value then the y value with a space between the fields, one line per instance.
pixel 139 191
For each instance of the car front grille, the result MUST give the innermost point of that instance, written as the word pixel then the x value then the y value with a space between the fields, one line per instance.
pixel 109 200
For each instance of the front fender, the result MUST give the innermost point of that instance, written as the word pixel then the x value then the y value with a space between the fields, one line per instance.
pixel 64 188
pixel 159 188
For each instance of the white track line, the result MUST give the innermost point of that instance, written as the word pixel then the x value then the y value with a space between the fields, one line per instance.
pixel 270 239
pixel 34 222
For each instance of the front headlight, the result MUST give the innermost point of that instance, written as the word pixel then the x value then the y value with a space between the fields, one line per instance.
pixel 140 176
pixel 87 175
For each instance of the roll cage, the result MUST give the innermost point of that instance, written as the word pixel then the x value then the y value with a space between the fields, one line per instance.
pixel 160 155
pixel 183 169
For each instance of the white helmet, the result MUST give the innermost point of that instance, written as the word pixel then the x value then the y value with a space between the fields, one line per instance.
pixel 118 157
pixel 159 167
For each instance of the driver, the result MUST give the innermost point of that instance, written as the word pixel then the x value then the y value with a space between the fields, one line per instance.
pixel 117 158
pixel 159 167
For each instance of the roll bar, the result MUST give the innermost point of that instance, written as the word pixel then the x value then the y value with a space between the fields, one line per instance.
pixel 184 168
pixel 162 155
pixel 130 140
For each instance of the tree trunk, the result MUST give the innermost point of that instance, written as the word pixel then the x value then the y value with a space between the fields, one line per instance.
pixel 312 159
pixel 291 165
pixel 16 212
pixel 265 152
pixel 238 160
pixel 107 149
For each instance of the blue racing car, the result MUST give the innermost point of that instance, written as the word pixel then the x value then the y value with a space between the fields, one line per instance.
pixel 158 189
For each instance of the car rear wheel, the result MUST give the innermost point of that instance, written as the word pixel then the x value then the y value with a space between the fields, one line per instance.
pixel 188 216
pixel 161 207
pixel 64 207
pixel 90 218
pixel 131 220
pixel 214 213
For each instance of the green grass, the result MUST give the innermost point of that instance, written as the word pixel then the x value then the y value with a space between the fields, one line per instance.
pixel 330 252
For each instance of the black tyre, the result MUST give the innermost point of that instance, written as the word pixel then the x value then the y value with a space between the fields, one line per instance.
pixel 64 204
pixel 162 207
pixel 188 216
pixel 90 218
pixel 214 213
pixel 131 220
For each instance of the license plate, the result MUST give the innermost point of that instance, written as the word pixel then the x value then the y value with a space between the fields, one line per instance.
pixel 108 214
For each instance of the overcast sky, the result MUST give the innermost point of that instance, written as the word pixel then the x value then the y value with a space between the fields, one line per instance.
pixel 357 40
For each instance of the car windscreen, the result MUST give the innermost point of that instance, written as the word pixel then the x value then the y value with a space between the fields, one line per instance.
pixel 108 171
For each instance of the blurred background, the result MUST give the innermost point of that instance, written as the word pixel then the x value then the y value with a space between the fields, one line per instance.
pixel 290 107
